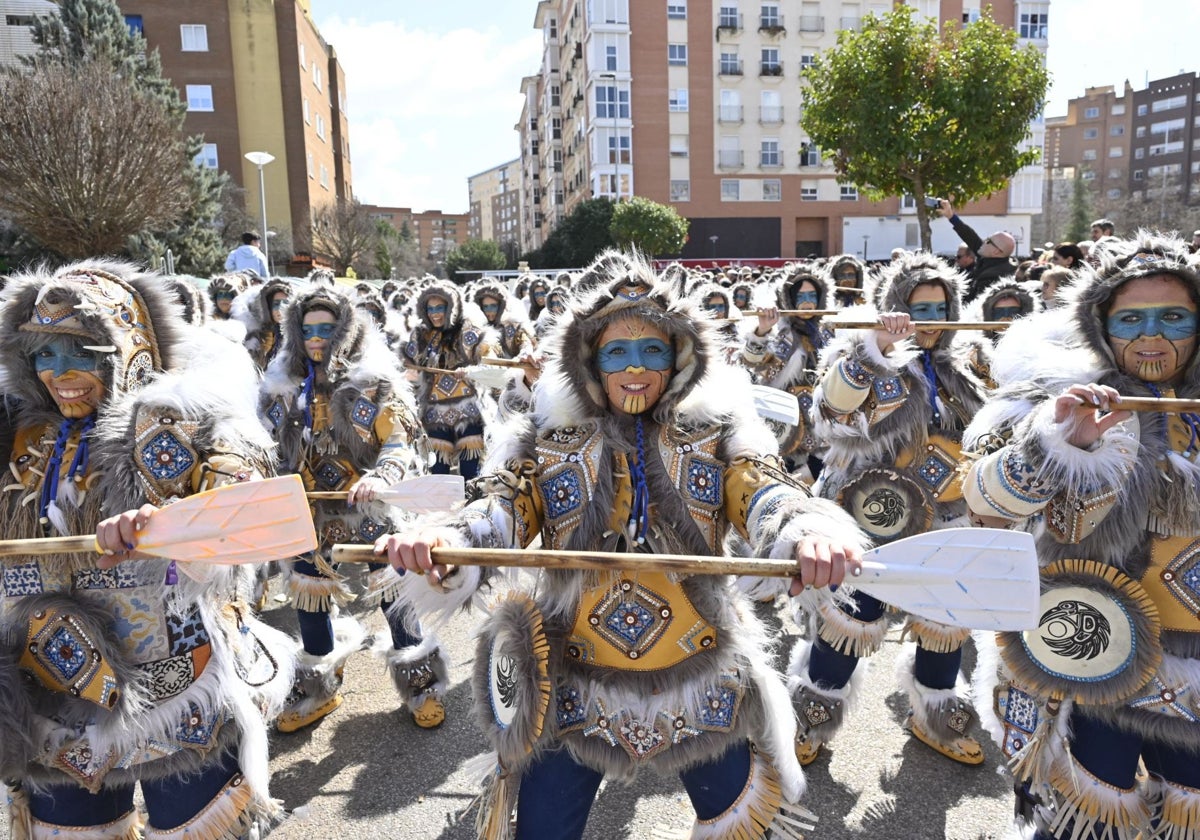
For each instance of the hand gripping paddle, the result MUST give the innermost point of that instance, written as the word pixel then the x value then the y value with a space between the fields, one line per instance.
pixel 982 578
pixel 247 522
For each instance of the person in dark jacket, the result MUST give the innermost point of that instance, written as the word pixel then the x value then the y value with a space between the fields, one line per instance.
pixel 993 256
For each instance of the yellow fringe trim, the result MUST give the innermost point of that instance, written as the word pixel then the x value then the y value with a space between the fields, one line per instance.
pixel 382 585
pixel 1178 812
pixel 442 449
pixel 939 638
pixel 128 827
pixel 314 594
pixel 472 446
pixel 226 817
pixel 846 634
pixel 759 808
pixel 1086 804
pixel 495 807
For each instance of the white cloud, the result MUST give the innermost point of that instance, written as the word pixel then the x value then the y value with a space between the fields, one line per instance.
pixel 427 109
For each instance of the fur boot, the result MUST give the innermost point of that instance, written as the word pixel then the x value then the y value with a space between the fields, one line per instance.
pixel 939 718
pixel 821 711
pixel 316 692
pixel 421 674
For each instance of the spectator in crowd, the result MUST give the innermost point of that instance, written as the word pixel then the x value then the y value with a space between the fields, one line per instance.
pixel 993 257
pixel 1103 227
pixel 1195 246
pixel 1053 281
pixel 248 256
pixel 1067 255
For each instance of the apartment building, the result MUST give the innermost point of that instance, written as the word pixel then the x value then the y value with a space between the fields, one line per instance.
pixel 1165 138
pixel 1093 137
pixel 256 76
pixel 696 103
pixel 437 233
pixel 495 203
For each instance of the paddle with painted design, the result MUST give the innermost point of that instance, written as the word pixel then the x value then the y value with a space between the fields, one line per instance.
pixel 983 578
pixel 421 494
pixel 247 522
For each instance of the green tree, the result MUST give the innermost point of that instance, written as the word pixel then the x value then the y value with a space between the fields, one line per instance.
pixel 902 108
pixel 580 236
pixel 652 228
pixel 474 255
pixel 95 30
pixel 1079 226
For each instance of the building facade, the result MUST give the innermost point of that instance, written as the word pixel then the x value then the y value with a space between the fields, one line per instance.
pixel 495 199
pixel 437 233
pixel 256 76
pixel 725 148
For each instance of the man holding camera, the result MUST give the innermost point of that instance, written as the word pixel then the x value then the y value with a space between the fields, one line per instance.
pixel 993 256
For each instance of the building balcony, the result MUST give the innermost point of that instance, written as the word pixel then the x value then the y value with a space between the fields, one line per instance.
pixel 812 23
pixel 730 159
pixel 730 114
pixel 770 114
pixel 770 160
pixel 729 25
pixel 772 25
pixel 852 24
pixel 770 68
pixel 730 68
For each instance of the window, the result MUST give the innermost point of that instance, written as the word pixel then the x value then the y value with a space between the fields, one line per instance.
pixel 556 128
pixel 808 193
pixel 770 63
pixel 134 22
pixel 1091 133
pixel 1089 175
pixel 768 152
pixel 681 190
pixel 1033 25
pixel 677 9
pixel 1114 173
pixel 677 99
pixel 1168 103
pixel 207 157
pixel 728 18
pixel 731 107
pixel 1138 175
pixel 772 190
pixel 552 29
pixel 307 113
pixel 1141 111
pixel 199 97
pixel 1139 153
pixel 770 107
pixel 807 58
pixel 1118 110
pixel 316 76
pixel 679 145
pixel 194 37
pixel 676 55
pixel 610 57
pixel 848 192
pixel 1117 131
pixel 303 59
pixel 310 166
pixel 731 189
pixel 1091 113
pixel 1089 154
pixel 730 65
pixel 1116 152
pixel 770 17
pixel 810 18
pixel 1141 131
pixel 324 177
pixel 1114 193
pixel 1167 137
pixel 810 155
pixel 555 96
pixel 320 126
pixel 624 141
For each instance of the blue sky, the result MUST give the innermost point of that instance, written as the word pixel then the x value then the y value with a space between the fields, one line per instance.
pixel 434 86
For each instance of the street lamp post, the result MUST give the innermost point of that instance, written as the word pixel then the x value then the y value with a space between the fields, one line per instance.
pixel 261 159
pixel 713 239
pixel 866 236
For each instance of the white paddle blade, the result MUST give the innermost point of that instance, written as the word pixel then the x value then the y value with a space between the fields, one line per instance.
pixel 426 493
pixel 773 404
pixel 248 522
pixel 487 376
pixel 982 578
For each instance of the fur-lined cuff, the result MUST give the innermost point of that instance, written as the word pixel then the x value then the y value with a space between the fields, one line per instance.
pixel 865 350
pixel 1061 466
pixel 818 518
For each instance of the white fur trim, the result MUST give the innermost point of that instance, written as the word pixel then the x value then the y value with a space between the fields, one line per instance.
pixel 1105 464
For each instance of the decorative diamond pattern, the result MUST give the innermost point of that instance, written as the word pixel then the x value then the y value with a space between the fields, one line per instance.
pixel 276 414
pixel 66 653
pixel 562 494
pixel 369 530
pixel 720 707
pixel 329 475
pixel 166 458
pixel 640 740
pixel 22 579
pixel 569 710
pixel 889 389
pixel 631 618
pixel 704 482
pixel 364 412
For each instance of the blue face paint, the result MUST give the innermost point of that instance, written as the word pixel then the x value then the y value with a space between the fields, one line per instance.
pixel 718 310
pixel 622 353
pixel 65 354
pixel 806 297
pixel 928 311
pixel 436 309
pixel 488 308
pixel 324 331
pixel 1173 323
pixel 1006 313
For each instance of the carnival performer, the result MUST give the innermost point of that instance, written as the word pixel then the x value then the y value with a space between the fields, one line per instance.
pixel 448 403
pixel 341 411
pixel 893 412
pixel 514 335
pixel 1110 680
pixel 134 671
pixel 602 674
pixel 783 352
pixel 539 287
pixel 261 309
pixel 186 292
pixel 222 290
pixel 850 277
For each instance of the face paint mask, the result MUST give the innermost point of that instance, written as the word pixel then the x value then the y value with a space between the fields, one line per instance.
pixel 741 300
pixel 436 309
pixel 646 353
pixel 806 297
pixel 321 331
pixel 1006 313
pixel 636 362
pixel 67 370
pixel 928 311
pixel 65 354
pixel 1174 323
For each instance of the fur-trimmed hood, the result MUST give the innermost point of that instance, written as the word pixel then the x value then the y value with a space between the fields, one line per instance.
pixel 851 260
pixel 346 344
pixel 111 305
pixel 785 292
pixel 635 292
pixel 253 306
pixel 903 275
pixel 186 291
pixel 702 293
pixel 1145 255
pixel 235 282
pixel 447 291
pixel 510 312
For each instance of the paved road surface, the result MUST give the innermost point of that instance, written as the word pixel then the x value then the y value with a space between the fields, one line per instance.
pixel 367 772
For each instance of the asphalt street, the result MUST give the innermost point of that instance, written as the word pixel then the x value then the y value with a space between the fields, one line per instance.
pixel 367 771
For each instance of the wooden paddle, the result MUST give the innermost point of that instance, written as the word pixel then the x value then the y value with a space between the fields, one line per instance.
pixel 923 325
pixel 983 578
pixel 422 494
pixel 508 363
pixel 1164 404
pixel 247 522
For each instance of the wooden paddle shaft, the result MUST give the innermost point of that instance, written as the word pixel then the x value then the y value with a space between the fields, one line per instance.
pixel 508 363
pixel 590 560
pixel 426 369
pixel 48 545
pixel 923 325
pixel 1164 404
